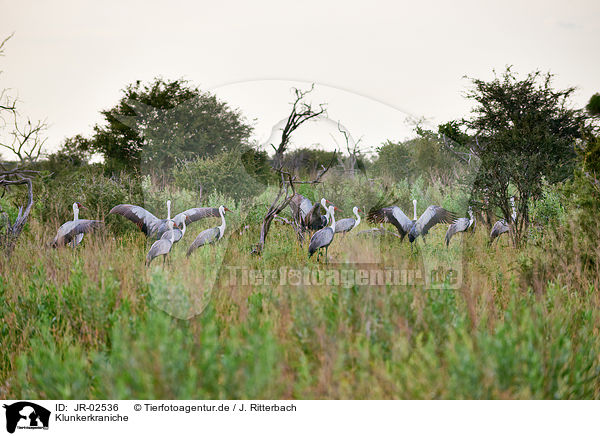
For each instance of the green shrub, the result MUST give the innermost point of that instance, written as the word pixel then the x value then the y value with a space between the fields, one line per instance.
pixel 224 173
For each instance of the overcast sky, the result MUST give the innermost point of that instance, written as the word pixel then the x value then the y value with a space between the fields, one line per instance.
pixel 375 63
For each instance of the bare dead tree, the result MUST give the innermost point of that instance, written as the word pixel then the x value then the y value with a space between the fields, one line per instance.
pixel 352 148
pixel 27 139
pixel 8 180
pixel 301 112
pixel 7 104
pixel 287 190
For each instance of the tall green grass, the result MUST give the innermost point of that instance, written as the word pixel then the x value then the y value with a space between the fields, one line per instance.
pixel 93 323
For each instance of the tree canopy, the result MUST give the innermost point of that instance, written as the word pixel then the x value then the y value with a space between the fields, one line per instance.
pixel 155 125
pixel 525 131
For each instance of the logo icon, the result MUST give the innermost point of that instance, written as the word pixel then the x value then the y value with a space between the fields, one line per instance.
pixel 26 415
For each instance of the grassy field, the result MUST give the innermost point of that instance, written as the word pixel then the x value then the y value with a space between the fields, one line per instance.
pixel 94 322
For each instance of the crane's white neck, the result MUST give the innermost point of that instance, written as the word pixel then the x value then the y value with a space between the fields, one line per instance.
pixel 183 227
pixel 223 224
pixel 357 222
pixel 514 210
pixel 331 212
pixel 324 204
pixel 415 210
pixel 172 232
pixel 472 220
pixel 75 212
pixel 168 209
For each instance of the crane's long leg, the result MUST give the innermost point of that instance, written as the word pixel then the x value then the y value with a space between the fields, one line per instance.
pixel 326 255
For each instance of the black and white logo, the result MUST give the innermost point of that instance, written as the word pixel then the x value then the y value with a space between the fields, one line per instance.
pixel 26 415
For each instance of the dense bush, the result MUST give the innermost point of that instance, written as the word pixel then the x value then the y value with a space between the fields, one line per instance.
pixel 224 173
pixel 88 185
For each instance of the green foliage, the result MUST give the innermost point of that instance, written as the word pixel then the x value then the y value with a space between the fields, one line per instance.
pixel 520 326
pixel 307 162
pixel 224 173
pixel 593 106
pixel 394 161
pixel 548 209
pixel 89 186
pixel 74 153
pixel 156 124
pixel 526 130
pixel 422 156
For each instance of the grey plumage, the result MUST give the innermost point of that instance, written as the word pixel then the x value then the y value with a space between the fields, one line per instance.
pixel 71 230
pixel 146 222
pixel 208 236
pixel 503 226
pixel 321 239
pixel 433 215
pixel 155 227
pixel 392 215
pixel 499 228
pixel 163 246
pixel 459 225
pixel 344 225
pixel 347 224
pixel 195 214
pixel 300 206
pixel 307 213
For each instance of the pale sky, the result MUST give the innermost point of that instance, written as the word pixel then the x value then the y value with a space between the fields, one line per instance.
pixel 375 63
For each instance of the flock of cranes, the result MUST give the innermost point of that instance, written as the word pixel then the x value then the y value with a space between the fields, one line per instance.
pixel 169 231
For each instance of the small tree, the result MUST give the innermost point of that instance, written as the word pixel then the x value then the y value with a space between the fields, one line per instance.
pixel 525 130
pixel 157 124
pixel 352 162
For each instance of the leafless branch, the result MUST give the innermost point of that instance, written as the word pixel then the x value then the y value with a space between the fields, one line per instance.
pixel 301 112
pixel 8 180
pixel 286 192
pixel 27 139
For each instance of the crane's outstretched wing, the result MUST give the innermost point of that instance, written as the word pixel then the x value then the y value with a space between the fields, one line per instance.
pixel 499 228
pixel 459 225
pixel 433 215
pixel 313 219
pixel 207 236
pixel 146 222
pixel 392 215
pixel 195 214
pixel 69 230
pixel 300 206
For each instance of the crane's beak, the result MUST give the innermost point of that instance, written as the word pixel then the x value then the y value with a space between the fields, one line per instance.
pixel 335 209
pixel 226 210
